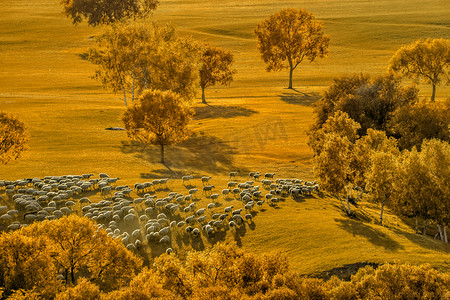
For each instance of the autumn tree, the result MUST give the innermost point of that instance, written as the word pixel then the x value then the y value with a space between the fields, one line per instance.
pixel 427 59
pixel 80 249
pixel 422 188
pixel 158 118
pixel 289 37
pixel 369 101
pixel 215 67
pixel 412 123
pixel 133 58
pixel 333 146
pixel 14 137
pixel 25 264
pixel 381 178
pixel 101 12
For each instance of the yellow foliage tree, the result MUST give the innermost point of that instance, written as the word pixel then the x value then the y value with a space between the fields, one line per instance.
pixel 133 58
pixel 287 38
pixel 428 59
pixel 158 118
pixel 14 137
pixel 99 12
pixel 25 264
pixel 381 178
pixel 80 249
pixel 84 290
pixel 215 67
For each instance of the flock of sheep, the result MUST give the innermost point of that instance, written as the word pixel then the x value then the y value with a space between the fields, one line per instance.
pixel 156 216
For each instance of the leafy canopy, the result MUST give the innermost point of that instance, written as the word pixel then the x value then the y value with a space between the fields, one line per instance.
pixel 104 12
pixel 290 36
pixel 158 118
pixel 14 137
pixel 427 59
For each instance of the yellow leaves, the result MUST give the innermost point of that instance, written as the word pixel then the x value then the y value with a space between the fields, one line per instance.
pixel 428 59
pixel 158 118
pixel 101 12
pixel 286 38
pixel 14 137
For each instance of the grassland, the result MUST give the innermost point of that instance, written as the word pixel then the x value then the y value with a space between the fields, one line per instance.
pixel 255 124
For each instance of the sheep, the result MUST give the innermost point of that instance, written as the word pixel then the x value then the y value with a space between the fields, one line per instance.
pixel 215 216
pixel 205 179
pixel 201 211
pixel 225 193
pixel 84 200
pixel 233 174
pixel 248 217
pixel 164 231
pixel 143 218
pixel 269 175
pixel 232 224
pixel 260 203
pixel 187 178
pixel 138 243
pixel 3 209
pixel 207 188
pixel 169 251
pixel 129 218
pixel 136 233
pixel 189 219
pixel 201 219
pixel 232 184
pixel 131 247
pixel 189 229
pixel 214 196
pixel 103 175
pixel 236 192
pixel 210 206
pixel 161 216
pixel 163 181
pixel 192 192
pixel 238 219
pixel 228 209
pixel 173 224
pixel 256 176
pixel 195 232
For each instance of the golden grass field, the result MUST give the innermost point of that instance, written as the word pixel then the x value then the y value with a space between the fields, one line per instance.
pixel 256 124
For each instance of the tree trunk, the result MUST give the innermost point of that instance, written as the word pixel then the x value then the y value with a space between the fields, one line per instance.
pixel 162 153
pixel 444 232
pixel 425 226
pixel 417 225
pixel 381 213
pixel 433 94
pixel 291 70
pixel 72 275
pixel 132 95
pixel 125 97
pixel 346 208
pixel 203 95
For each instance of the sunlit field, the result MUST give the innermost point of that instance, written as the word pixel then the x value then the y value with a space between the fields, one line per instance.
pixel 255 124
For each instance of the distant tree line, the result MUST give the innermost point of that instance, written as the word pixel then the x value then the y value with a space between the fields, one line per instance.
pixel 70 258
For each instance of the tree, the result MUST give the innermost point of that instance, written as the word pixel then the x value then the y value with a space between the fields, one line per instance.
pixel 79 249
pixel 381 177
pixel 158 118
pixel 428 59
pixel 288 37
pixel 100 12
pixel 422 188
pixel 215 67
pixel 133 58
pixel 14 137
pixel 412 123
pixel 25 264
pixel 369 101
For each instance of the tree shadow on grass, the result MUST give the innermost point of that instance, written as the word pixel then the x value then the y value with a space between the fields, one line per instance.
pixel 373 235
pixel 425 242
pixel 220 111
pixel 299 98
pixel 202 153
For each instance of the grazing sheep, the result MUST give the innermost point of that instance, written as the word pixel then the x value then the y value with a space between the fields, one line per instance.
pixel 187 178
pixel 269 175
pixel 248 217
pixel 207 188
pixel 260 203
pixel 201 211
pixel 131 247
pixel 210 206
pixel 103 175
pixel 169 251
pixel 215 216
pixel 233 174
pixel 205 179
pixel 237 211
pixel 232 224
pixel 225 193
pixel 201 219
pixel 129 218
pixel 214 196
pixel 238 219
pixel 195 232
pixel 228 209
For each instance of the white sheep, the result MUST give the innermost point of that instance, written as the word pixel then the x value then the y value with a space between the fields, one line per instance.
pixel 187 178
